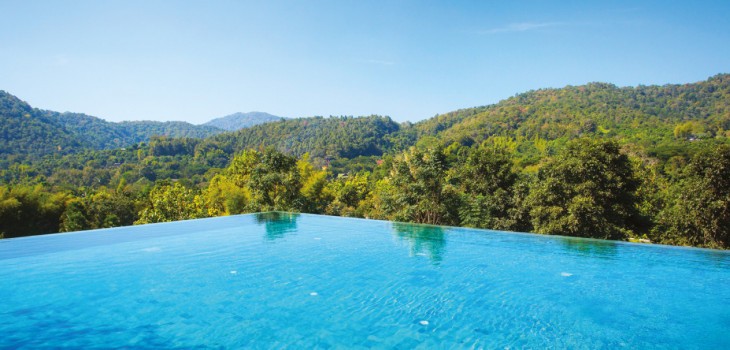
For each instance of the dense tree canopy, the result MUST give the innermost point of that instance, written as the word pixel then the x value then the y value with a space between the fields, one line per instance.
pixel 322 138
pixel 698 213
pixel 587 191
pixel 487 180
pixel 33 132
pixel 418 190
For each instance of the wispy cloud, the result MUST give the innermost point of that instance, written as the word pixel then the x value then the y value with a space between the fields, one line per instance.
pixel 520 27
pixel 381 62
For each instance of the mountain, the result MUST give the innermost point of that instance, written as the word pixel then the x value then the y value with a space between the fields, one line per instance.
pixel 30 131
pixel 24 130
pixel 658 119
pixel 643 114
pixel 143 130
pixel 239 120
pixel 321 137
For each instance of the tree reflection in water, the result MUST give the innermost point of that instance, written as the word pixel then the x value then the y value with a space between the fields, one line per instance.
pixel 278 224
pixel 423 240
pixel 592 248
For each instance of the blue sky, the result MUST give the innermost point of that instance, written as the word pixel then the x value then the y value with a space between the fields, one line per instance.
pixel 411 60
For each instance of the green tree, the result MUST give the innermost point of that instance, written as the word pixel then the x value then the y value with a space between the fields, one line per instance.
pixel 486 180
pixel 275 183
pixel 699 211
pixel 271 178
pixel 588 191
pixel 350 194
pixel 652 191
pixel 419 190
pixel 99 210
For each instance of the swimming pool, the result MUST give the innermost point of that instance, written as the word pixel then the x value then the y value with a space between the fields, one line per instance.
pixel 277 280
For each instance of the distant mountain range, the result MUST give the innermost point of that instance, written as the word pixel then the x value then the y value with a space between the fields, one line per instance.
pixel 239 120
pixel 658 119
pixel 30 131
pixel 652 117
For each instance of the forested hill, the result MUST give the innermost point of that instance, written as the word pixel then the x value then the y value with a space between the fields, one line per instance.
pixel 643 114
pixel 24 130
pixel 239 120
pixel 30 131
pixel 332 137
pixel 655 118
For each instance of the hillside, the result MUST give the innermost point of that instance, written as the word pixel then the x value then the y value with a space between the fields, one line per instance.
pixel 643 114
pixel 29 131
pixel 142 130
pixel 24 130
pixel 239 120
pixel 321 137
pixel 657 119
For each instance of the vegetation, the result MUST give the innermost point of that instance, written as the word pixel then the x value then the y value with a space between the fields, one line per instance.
pixel 595 161
pixel 32 132
pixel 323 138
pixel 588 190
pixel 697 212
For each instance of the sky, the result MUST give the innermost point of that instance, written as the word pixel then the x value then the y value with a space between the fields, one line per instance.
pixel 410 60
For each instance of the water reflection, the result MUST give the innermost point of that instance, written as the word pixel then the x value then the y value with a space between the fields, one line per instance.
pixel 422 239
pixel 652 254
pixel 717 258
pixel 278 224
pixel 592 248
pixel 708 258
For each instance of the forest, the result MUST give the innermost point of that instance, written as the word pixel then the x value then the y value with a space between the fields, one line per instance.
pixel 31 133
pixel 632 163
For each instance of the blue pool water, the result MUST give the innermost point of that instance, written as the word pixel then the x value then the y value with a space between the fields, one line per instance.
pixel 279 280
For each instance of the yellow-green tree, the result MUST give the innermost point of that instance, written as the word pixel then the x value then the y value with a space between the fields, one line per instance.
pixel 224 197
pixel 30 210
pixel 684 130
pixel 171 202
pixel 315 194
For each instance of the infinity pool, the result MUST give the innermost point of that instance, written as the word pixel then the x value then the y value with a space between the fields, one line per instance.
pixel 278 280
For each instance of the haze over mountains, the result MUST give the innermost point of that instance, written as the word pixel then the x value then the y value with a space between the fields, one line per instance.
pixel 240 120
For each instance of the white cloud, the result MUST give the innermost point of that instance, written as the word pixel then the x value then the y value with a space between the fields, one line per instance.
pixel 520 27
